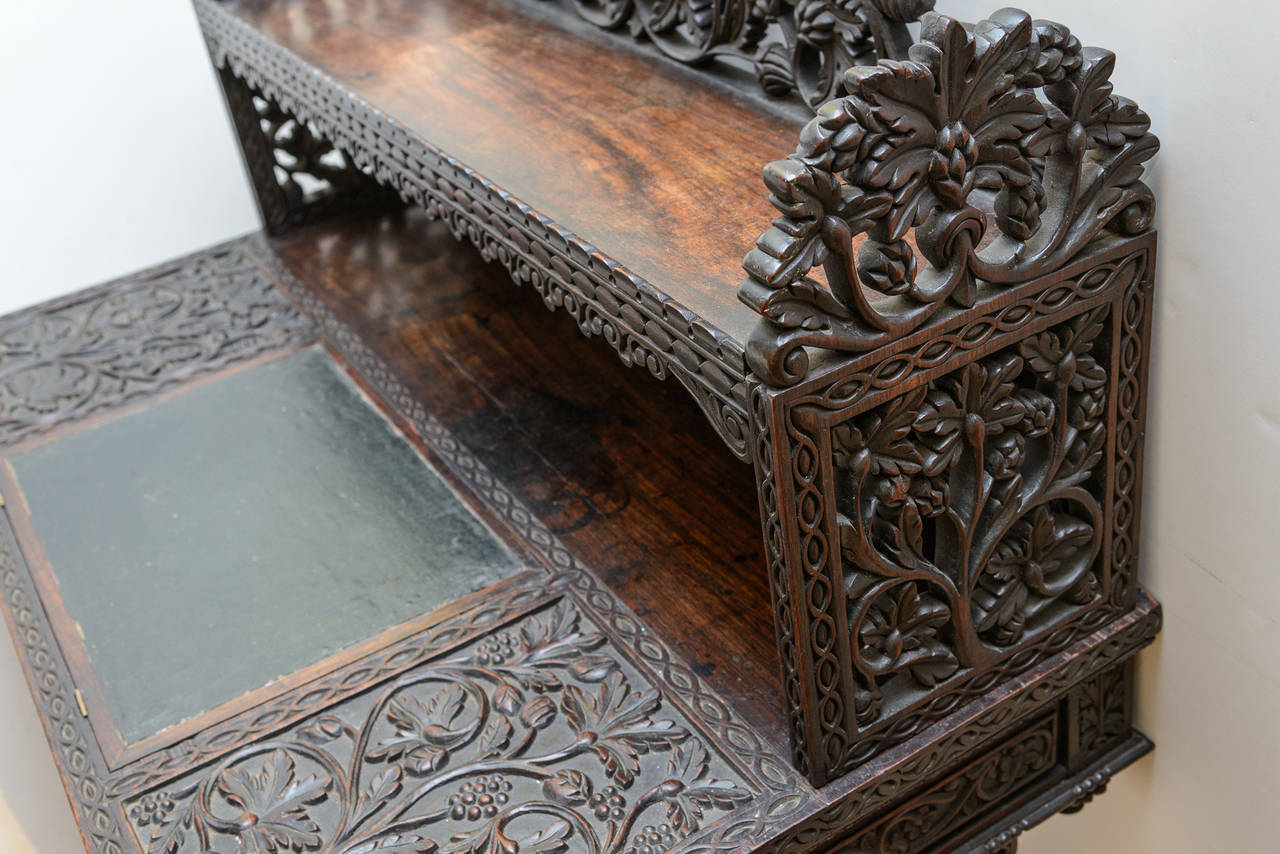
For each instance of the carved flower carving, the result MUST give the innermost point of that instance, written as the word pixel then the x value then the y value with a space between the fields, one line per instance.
pixel 900 632
pixel 1048 555
pixel 274 802
pixel 933 121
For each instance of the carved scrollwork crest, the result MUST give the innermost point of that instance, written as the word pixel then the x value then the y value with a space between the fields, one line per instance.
pixel 991 157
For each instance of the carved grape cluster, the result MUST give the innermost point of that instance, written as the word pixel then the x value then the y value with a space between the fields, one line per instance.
pixel 608 803
pixel 496 650
pixel 152 809
pixel 654 840
pixel 479 798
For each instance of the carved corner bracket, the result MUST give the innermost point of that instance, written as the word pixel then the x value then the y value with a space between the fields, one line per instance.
pixel 997 152
pixel 298 177
pixel 943 516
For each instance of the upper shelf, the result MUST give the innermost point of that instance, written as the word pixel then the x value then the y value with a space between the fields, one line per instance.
pixel 657 174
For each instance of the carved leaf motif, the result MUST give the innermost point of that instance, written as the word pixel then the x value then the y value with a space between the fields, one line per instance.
pixel 495 736
pixel 621 722
pixel 556 642
pixel 900 633
pixel 274 803
pixel 551 839
pixel 171 834
pixel 383 786
pixel 688 790
pixel 421 728
pixel 488 838
pixel 396 844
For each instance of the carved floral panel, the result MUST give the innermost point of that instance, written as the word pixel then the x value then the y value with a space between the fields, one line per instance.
pixel 540 738
pixel 952 514
pixel 970 511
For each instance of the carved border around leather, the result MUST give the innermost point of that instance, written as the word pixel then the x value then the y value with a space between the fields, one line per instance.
pixel 137 336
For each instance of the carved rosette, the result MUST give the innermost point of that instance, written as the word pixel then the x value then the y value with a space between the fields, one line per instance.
pixel 991 157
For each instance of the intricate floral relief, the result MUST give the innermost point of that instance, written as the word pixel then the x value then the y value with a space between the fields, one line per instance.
pixel 966 510
pixel 71 357
pixel 533 740
pixel 957 150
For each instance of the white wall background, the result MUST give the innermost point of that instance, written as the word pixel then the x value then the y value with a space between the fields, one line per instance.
pixel 118 155
pixel 116 148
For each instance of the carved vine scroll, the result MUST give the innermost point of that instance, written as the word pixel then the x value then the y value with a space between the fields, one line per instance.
pixel 991 157
pixel 792 46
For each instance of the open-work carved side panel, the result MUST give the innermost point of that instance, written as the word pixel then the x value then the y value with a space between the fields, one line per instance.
pixel 951 513
pixel 995 156
pixel 297 175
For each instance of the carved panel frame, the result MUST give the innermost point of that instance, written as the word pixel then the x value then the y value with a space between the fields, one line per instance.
pixel 799 504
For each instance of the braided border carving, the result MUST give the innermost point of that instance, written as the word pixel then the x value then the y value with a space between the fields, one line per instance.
pixel 643 325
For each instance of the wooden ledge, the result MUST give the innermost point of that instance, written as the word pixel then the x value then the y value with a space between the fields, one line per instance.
pixel 623 152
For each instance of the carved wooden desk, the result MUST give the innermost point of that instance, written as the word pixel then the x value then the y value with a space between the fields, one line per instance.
pixel 929 388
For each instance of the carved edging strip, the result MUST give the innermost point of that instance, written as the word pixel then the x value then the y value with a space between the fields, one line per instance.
pixel 905 768
pixel 332 688
pixel 70 735
pixel 1024 758
pixel 676 679
pixel 643 325
pixel 94 342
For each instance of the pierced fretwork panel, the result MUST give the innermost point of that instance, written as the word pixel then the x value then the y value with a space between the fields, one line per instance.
pixel 298 176
pixel 951 515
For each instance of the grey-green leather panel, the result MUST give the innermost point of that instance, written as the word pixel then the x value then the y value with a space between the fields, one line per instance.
pixel 241 530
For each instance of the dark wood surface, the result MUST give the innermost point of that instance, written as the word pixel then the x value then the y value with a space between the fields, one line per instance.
pixel 622 467
pixel 625 152
pixel 559 427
